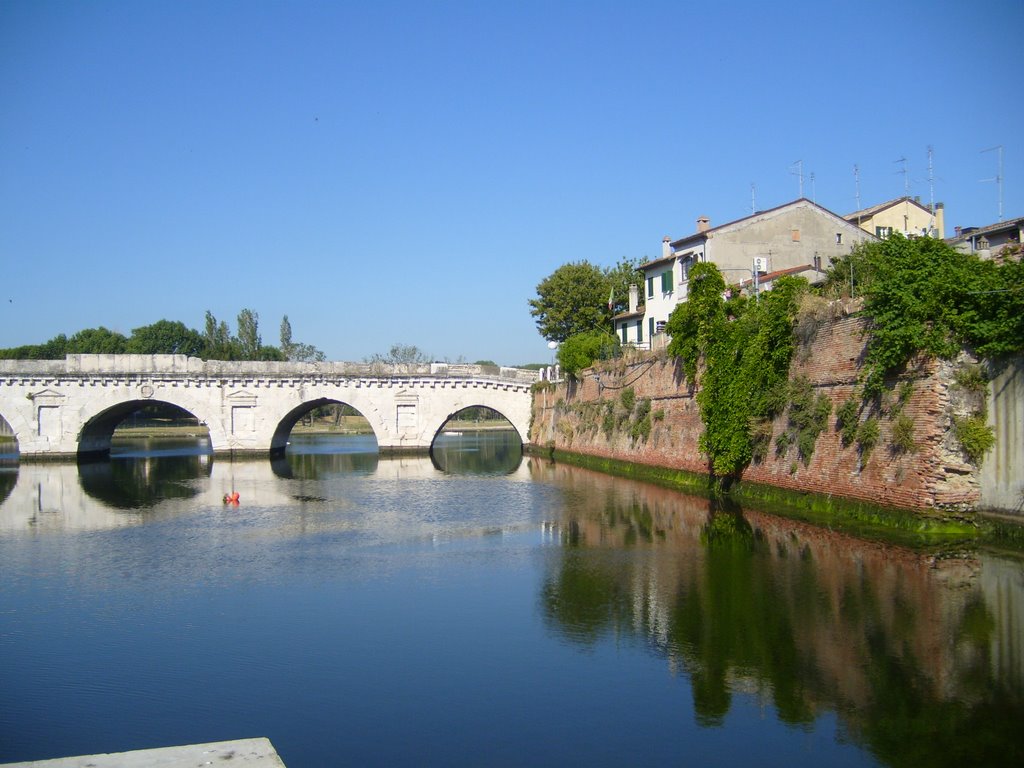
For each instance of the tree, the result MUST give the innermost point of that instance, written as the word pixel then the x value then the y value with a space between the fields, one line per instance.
pixel 572 300
pixel 286 338
pixel 402 354
pixel 575 298
pixel 249 341
pixel 97 341
pixel 54 349
pixel 217 342
pixel 620 278
pixel 297 351
pixel 165 337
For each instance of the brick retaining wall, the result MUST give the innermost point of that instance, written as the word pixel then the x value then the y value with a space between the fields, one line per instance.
pixel 935 475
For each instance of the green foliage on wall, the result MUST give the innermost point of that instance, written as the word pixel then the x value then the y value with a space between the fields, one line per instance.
pixel 924 296
pixel 580 351
pixel 808 416
pixel 974 435
pixel 746 361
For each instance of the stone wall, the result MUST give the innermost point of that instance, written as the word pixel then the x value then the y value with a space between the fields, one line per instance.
pixel 936 474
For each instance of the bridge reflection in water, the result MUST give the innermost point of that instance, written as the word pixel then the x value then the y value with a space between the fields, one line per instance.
pixel 916 655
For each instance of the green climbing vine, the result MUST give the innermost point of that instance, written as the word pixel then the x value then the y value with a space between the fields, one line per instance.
pixel 746 348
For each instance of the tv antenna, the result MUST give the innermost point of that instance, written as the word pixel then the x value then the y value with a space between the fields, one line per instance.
pixel 931 181
pixel 799 174
pixel 856 185
pixel 906 178
pixel 753 203
pixel 998 177
pixel 813 194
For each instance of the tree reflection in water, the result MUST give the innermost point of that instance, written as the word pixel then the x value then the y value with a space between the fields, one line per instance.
pixel 899 643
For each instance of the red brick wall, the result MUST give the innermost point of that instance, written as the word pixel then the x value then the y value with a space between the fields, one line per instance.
pixel 934 475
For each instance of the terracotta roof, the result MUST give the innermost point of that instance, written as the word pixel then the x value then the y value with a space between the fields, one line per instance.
pixel 626 315
pixel 769 276
pixel 867 213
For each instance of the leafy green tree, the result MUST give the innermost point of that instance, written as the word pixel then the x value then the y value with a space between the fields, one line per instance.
pixel 286 337
pixel 248 339
pixel 54 349
pixel 97 341
pixel 620 278
pixel 581 350
pixel 217 342
pixel 401 354
pixel 297 351
pixel 165 337
pixel 571 300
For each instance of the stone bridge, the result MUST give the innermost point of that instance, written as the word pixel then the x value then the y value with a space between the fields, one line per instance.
pixel 70 407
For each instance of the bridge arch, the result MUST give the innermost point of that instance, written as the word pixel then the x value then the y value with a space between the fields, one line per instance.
pixel 8 437
pixel 454 417
pixel 94 438
pixel 285 424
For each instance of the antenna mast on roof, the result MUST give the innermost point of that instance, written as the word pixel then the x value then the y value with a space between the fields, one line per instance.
pixel 999 177
pixel 753 203
pixel 814 196
pixel 906 179
pixel 800 174
pixel 931 183
pixel 856 184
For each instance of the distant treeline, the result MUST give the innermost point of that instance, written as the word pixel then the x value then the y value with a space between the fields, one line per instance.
pixel 167 337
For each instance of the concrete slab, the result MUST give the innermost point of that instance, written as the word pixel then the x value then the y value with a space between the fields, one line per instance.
pixel 242 752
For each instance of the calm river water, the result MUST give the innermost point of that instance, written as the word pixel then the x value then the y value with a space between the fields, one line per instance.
pixel 483 609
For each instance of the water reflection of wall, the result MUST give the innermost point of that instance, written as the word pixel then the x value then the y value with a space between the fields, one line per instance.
pixel 806 618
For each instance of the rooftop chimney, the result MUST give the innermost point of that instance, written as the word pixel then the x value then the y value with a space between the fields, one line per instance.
pixel 703 224
pixel 633 297
pixel 666 246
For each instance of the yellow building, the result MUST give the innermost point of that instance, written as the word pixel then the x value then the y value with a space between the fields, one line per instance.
pixel 905 215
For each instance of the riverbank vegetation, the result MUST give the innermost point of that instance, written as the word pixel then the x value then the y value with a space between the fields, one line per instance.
pixel 920 297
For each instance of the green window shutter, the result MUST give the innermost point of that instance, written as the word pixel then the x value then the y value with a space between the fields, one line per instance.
pixel 639 331
pixel 666 281
pixel 650 287
pixel 650 327
pixel 625 333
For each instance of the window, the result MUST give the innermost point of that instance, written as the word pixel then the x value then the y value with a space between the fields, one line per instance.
pixel 839 238
pixel 650 327
pixel 650 287
pixel 625 333
pixel 684 270
pixel 883 232
pixel 817 263
pixel 639 331
pixel 666 281
pixel 796 235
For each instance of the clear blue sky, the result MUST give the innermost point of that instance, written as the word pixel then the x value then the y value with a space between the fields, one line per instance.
pixel 408 172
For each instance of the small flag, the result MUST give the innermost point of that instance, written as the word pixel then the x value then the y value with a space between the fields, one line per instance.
pixel 611 299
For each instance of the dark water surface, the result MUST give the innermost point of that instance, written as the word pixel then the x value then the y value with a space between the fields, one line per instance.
pixel 478 608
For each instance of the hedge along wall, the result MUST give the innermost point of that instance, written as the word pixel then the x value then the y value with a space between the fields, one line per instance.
pixel 593 417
